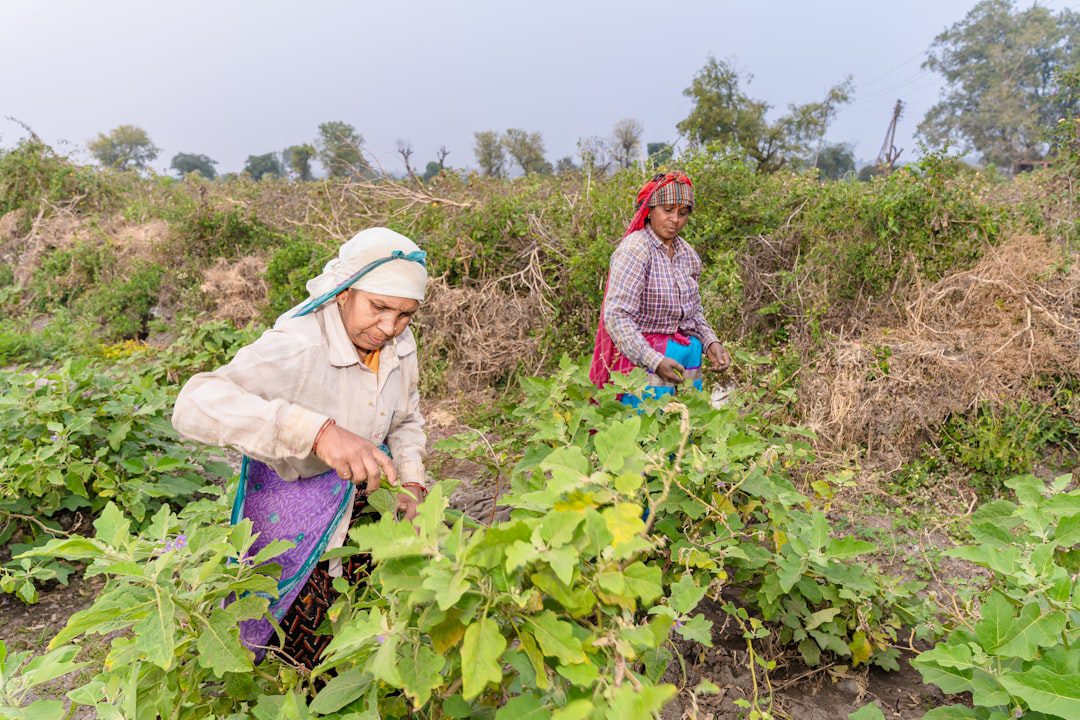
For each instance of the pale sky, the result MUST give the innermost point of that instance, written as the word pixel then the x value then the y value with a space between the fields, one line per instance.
pixel 232 78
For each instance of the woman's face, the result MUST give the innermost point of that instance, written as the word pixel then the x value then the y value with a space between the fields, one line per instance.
pixel 371 320
pixel 667 221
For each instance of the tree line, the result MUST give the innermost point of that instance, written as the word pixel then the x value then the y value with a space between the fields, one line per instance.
pixel 1003 70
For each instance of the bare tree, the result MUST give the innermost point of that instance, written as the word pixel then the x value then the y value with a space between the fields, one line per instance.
pixel 405 150
pixel 626 142
pixel 441 157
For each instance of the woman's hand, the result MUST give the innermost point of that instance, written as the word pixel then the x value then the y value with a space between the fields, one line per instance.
pixel 719 356
pixel 355 459
pixel 670 370
pixel 407 503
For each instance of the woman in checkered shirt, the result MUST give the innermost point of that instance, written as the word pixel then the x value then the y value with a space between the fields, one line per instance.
pixel 652 316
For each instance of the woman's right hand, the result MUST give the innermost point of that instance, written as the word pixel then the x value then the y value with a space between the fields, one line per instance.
pixel 670 370
pixel 354 458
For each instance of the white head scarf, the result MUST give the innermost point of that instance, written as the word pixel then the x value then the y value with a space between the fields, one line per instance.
pixel 399 275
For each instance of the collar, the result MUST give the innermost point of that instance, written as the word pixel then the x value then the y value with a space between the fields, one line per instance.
pixel 679 243
pixel 342 352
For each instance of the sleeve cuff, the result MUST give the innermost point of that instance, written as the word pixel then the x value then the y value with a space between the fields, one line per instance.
pixel 411 471
pixel 297 433
pixel 652 359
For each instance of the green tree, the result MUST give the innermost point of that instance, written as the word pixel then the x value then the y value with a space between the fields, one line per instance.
pixel 566 165
pixel 490 154
pixel 298 159
pixel 1001 69
pixel 125 148
pixel 835 161
pixel 660 154
pixel 184 163
pixel 260 166
pixel 724 113
pixel 527 149
pixel 626 142
pixel 339 147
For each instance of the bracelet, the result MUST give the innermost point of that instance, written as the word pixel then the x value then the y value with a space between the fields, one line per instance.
pixel 318 435
pixel 419 490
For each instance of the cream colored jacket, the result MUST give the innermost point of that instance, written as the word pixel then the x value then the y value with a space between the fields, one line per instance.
pixel 271 400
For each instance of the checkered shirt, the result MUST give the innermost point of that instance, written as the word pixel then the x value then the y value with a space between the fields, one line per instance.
pixel 651 293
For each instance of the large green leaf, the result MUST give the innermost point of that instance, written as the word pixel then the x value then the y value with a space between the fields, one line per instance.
pixel 685 594
pixel 948 666
pixel 523 707
pixel 420 674
pixel 867 712
pixel 480 652
pixel 1045 691
pixel 556 638
pixel 644 581
pixel 155 635
pixel 340 691
pixel 628 703
pixel 219 645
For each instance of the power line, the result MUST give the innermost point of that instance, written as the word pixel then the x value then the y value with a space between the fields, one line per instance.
pixel 892 70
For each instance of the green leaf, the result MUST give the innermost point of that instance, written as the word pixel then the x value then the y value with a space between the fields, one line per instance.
pixel 630 704
pixel 421 674
pixel 697 628
pixel 219 645
pixel 341 690
pixel 556 638
pixel 480 652
pixel 624 523
pixel 617 442
pixel 271 550
pixel 1002 633
pixel 388 539
pixel 574 710
pixel 117 434
pixel 686 594
pixel 1045 691
pixel 583 674
pixel 563 561
pixel 155 635
pixel 38 710
pixel 447 584
pixel 947 666
pixel 952 712
pixel 867 712
pixel 849 547
pixel 112 527
pixel 455 707
pixel 520 554
pixel 523 707
pixel 821 616
pixel 643 581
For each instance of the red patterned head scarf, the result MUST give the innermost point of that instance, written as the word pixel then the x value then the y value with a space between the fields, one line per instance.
pixel 673 188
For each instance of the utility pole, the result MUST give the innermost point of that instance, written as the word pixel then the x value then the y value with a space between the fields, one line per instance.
pixel 889 153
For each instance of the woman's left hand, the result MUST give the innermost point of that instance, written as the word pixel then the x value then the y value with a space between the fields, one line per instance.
pixel 719 356
pixel 407 504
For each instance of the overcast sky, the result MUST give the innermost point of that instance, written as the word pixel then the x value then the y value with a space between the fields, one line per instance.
pixel 232 78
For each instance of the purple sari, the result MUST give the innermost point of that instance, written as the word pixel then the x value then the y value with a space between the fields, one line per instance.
pixel 304 511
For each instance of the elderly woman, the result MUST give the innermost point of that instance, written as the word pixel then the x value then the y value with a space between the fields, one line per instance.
pixel 322 406
pixel 651 316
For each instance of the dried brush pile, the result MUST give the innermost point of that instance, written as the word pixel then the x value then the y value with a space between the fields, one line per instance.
pixel 975 336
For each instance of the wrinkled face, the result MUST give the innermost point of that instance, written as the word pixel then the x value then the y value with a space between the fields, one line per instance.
pixel 371 320
pixel 667 221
